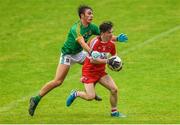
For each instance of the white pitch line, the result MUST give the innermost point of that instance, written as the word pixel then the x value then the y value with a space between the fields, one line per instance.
pixel 151 39
pixel 15 103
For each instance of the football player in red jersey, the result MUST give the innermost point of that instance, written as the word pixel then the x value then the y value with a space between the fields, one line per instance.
pixel 72 53
pixel 93 70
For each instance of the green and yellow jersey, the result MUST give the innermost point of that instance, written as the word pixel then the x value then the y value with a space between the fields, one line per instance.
pixel 71 45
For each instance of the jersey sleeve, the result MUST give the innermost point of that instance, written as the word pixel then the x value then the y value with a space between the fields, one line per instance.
pixel 75 31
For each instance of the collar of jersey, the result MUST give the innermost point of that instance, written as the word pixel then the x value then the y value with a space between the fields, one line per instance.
pixel 82 26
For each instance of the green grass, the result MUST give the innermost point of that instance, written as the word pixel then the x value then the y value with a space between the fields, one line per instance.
pixel 32 32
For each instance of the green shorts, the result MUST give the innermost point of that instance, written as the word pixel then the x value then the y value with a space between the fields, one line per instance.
pixel 71 59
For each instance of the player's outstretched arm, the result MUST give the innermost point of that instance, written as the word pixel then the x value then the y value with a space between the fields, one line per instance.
pixel 98 61
pixel 93 54
pixel 120 38
pixel 84 45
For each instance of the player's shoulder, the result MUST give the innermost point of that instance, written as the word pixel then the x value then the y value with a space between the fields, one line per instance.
pixel 93 25
pixel 112 43
pixel 94 40
pixel 74 26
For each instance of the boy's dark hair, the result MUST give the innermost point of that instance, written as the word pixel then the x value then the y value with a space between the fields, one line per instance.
pixel 82 8
pixel 105 26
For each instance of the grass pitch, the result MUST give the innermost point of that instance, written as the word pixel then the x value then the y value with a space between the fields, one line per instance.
pixel 32 32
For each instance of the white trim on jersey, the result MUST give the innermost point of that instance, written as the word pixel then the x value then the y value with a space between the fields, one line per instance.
pixel 93 43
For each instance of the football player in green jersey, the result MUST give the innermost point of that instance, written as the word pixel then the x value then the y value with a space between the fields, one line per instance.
pixel 72 52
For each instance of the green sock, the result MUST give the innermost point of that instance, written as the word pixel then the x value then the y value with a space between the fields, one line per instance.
pixel 38 98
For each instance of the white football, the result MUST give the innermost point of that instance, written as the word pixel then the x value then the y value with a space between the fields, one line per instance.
pixel 116 59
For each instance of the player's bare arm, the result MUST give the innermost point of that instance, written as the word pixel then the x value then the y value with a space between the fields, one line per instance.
pixel 98 61
pixel 84 45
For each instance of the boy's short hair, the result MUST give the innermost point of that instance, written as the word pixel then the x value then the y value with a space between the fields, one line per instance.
pixel 105 26
pixel 82 8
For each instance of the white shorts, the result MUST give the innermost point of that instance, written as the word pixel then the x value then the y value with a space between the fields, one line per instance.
pixel 73 58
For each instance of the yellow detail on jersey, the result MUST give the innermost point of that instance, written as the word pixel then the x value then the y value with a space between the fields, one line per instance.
pixel 79 37
pixel 78 31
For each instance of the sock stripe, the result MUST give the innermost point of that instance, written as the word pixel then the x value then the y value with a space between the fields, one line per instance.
pixel 75 94
pixel 114 109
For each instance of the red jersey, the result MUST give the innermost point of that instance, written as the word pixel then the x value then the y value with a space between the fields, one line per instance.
pixel 102 47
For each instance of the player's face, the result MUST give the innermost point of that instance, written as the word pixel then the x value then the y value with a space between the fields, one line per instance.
pixel 88 15
pixel 108 34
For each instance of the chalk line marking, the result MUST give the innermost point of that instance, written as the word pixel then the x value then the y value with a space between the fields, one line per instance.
pixel 14 104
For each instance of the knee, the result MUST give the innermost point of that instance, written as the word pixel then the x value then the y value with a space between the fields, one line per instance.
pixel 114 91
pixel 90 97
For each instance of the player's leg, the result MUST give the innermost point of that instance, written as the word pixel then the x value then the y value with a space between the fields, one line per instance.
pixel 109 83
pixel 88 94
pixel 79 58
pixel 61 72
